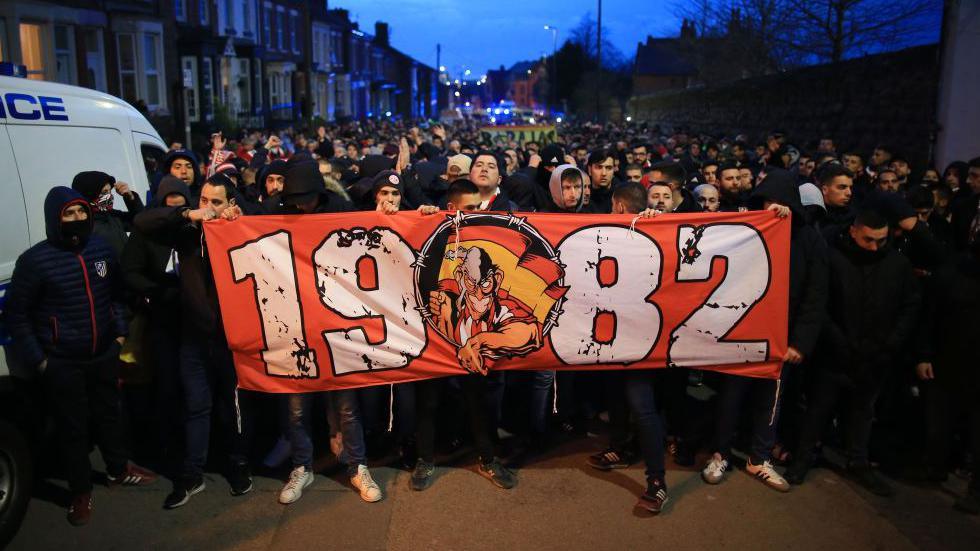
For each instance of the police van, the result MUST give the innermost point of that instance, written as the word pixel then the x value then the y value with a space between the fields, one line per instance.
pixel 48 133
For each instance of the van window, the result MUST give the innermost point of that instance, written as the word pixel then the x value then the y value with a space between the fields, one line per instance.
pixel 152 162
pixel 48 158
pixel 13 238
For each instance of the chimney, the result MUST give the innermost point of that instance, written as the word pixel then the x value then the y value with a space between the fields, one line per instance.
pixel 381 33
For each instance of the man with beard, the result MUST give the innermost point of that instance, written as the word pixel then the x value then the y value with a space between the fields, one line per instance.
pixel 673 175
pixel 873 302
pixel 729 188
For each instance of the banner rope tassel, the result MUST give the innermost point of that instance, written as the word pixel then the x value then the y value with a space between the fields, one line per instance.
pixel 391 407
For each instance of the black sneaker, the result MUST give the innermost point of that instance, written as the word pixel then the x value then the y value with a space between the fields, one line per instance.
pixel 498 474
pixel 610 459
pixel 654 499
pixel 184 488
pixel 240 479
pixel 866 477
pixel 422 475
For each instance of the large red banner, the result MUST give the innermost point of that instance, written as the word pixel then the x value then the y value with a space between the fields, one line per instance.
pixel 321 302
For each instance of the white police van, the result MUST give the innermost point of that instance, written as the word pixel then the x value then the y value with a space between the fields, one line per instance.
pixel 48 133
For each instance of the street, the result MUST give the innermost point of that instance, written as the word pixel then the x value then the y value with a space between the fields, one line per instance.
pixel 559 503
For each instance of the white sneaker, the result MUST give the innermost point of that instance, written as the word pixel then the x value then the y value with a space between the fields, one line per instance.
pixel 370 491
pixel 768 475
pixel 299 480
pixel 715 470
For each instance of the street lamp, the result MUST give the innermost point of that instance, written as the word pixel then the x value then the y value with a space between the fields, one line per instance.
pixel 554 64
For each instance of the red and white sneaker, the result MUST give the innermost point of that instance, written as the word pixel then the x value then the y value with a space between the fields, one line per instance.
pixel 134 475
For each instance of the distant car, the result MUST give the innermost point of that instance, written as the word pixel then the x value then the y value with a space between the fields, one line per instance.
pixel 48 133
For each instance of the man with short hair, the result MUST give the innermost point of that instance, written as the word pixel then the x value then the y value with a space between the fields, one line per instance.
pixel 601 170
pixel 900 166
pixel 873 303
pixel 463 195
pixel 778 192
pixel 966 208
pixel 674 175
pixel 633 173
pixel 485 173
pixel 207 373
pixel 888 181
pixel 707 196
pixel 64 313
pixel 729 188
pixel 710 172
pixel 836 183
pixel 660 197
pixel 641 155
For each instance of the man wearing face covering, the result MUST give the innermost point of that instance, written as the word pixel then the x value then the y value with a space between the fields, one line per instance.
pixel 109 224
pixel 62 311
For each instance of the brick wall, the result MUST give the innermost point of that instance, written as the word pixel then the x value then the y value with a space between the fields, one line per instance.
pixel 889 98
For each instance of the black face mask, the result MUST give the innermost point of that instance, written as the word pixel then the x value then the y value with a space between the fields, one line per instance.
pixel 76 232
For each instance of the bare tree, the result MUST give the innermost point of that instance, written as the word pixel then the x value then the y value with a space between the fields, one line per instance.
pixel 830 30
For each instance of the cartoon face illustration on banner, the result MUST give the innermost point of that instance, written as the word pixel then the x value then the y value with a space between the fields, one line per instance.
pixel 491 285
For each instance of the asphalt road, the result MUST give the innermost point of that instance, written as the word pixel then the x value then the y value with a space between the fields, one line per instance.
pixel 559 503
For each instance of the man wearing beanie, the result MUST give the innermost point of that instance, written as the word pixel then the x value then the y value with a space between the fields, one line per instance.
pixel 109 224
pixel 304 192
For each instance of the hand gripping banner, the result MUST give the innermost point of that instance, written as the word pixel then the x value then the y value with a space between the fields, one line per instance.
pixel 328 301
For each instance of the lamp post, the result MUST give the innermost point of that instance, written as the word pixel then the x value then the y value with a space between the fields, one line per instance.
pixel 554 64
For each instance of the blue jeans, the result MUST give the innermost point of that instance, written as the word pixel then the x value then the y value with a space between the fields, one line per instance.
pixel 764 406
pixel 299 432
pixel 208 378
pixel 344 416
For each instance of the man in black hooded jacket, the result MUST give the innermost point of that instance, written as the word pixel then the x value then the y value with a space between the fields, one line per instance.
pixel 63 310
pixel 807 300
pixel 873 301
pixel 947 366
pixel 150 267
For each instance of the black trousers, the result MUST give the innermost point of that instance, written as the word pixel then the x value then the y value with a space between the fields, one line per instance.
pixel 84 397
pixel 827 390
pixel 480 396
pixel 945 404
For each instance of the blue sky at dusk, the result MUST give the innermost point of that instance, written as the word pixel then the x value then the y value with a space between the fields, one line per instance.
pixel 482 35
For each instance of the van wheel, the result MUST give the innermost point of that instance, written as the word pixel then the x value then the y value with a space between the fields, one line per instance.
pixel 16 478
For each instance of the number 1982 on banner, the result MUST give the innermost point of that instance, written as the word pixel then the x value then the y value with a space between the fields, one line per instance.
pixel 493 288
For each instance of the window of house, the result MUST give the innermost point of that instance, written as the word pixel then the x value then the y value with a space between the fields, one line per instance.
pixel 191 95
pixel 94 75
pixel 294 30
pixel 246 17
pixel 280 27
pixel 126 49
pixel 229 6
pixel 244 84
pixel 3 40
pixel 207 87
pixel 267 24
pixel 204 11
pixel 258 86
pixel 151 69
pixel 180 10
pixel 64 54
pixel 31 54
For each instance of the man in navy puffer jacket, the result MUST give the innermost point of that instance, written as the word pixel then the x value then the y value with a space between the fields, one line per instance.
pixel 63 312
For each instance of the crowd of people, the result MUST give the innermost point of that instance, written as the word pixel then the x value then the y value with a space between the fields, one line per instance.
pixel 884 290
